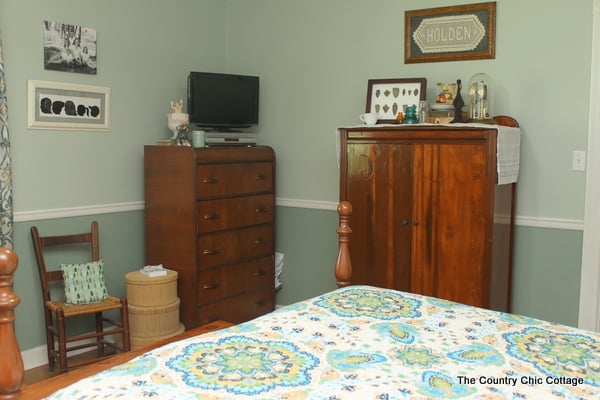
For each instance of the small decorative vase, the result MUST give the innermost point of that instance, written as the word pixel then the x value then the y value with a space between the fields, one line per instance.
pixel 411 115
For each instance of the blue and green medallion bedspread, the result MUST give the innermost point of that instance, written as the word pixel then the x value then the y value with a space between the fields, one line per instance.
pixel 362 342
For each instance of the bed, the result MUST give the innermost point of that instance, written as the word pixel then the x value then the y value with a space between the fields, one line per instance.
pixel 357 342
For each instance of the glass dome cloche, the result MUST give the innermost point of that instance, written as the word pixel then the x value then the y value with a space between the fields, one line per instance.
pixel 479 92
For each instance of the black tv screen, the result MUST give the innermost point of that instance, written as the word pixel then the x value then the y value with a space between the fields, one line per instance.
pixel 222 101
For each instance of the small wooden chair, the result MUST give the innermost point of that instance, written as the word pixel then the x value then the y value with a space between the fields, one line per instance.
pixel 56 312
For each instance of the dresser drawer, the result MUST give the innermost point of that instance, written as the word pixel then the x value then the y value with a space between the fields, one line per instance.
pixel 218 283
pixel 239 308
pixel 237 212
pixel 214 180
pixel 230 246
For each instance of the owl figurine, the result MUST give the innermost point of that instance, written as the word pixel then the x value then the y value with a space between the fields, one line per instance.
pixel 176 106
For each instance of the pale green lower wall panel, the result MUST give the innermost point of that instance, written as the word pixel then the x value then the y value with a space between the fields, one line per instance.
pixel 545 282
pixel 121 247
pixel 547 274
pixel 309 242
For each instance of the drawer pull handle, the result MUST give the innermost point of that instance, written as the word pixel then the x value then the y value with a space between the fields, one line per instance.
pixel 262 209
pixel 261 177
pixel 210 180
pixel 209 320
pixel 260 242
pixel 211 285
pixel 260 272
pixel 211 216
pixel 216 250
pixel 261 303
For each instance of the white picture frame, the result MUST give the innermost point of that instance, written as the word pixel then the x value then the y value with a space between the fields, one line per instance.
pixel 67 106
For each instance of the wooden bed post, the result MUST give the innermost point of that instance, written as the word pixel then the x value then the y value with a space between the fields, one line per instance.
pixel 11 363
pixel 343 267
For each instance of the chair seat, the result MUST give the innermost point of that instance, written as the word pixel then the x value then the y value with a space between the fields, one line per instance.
pixel 110 303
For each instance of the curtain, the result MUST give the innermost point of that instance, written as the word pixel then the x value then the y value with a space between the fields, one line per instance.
pixel 6 203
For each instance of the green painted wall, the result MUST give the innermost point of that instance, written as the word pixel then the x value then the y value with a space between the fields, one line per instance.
pixel 314 58
pixel 309 242
pixel 146 48
pixel 547 273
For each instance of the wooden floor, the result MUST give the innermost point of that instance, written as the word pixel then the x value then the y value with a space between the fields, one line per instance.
pixel 34 388
pixel 37 374
pixel 43 371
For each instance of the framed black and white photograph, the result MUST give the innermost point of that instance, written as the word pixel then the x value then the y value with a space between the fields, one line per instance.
pixel 388 97
pixel 66 106
pixel 69 48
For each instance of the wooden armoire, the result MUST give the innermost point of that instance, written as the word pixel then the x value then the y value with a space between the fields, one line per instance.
pixel 429 216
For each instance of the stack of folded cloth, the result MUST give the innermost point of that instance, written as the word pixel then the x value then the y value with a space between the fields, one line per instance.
pixel 278 269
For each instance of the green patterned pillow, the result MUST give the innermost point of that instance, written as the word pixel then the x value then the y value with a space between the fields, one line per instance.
pixel 84 283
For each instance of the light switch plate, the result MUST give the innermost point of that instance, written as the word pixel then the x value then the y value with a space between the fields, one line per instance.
pixel 578 160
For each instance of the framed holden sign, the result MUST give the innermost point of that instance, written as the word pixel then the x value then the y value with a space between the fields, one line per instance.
pixel 454 33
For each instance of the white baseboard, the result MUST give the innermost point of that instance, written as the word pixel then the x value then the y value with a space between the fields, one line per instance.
pixel 34 357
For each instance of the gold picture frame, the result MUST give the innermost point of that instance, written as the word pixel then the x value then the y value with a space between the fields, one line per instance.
pixel 455 33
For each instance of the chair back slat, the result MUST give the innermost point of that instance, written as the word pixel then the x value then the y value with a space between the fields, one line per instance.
pixel 66 239
pixel 54 276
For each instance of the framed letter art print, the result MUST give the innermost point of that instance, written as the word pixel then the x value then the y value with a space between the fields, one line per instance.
pixel 452 33
pixel 65 106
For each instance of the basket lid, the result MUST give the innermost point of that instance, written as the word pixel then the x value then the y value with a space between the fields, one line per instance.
pixel 137 278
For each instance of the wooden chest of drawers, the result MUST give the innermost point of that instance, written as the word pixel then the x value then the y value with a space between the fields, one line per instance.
pixel 209 215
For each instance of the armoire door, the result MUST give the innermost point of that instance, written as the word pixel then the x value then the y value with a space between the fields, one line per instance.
pixel 379 186
pixel 451 238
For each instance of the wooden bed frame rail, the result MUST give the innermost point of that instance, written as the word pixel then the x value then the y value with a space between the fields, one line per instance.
pixel 11 363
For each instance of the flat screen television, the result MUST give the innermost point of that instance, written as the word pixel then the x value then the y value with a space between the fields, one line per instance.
pixel 222 101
